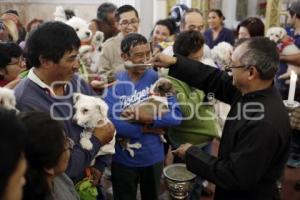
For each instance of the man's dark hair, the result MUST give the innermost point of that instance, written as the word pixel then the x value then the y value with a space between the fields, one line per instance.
pixel 131 40
pixel 292 13
pixel 171 26
pixel 11 146
pixel 51 41
pixel 44 147
pixel 8 50
pixel 105 9
pixel 261 53
pixel 124 9
pixel 254 26
pixel 188 42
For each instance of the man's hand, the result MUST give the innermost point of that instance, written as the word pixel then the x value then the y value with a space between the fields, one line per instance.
pixel 286 75
pixel 180 152
pixel 96 176
pixel 163 60
pixel 294 115
pixel 105 133
pixel 138 114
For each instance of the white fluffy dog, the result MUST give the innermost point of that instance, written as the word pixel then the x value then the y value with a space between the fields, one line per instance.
pixel 91 112
pixel 8 99
pixel 59 14
pixel 285 43
pixel 97 41
pixel 221 54
pixel 81 27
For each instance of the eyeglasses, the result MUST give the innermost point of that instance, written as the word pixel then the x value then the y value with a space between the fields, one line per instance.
pixel 69 144
pixel 126 23
pixel 230 66
pixel 17 61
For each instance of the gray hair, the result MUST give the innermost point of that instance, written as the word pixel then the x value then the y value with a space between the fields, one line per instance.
pixel 261 53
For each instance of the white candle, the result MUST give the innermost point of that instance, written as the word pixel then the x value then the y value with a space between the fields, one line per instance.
pixel 293 80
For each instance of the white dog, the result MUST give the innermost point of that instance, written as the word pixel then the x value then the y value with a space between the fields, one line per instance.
pixel 91 112
pixel 59 14
pixel 97 41
pixel 8 99
pixel 285 43
pixel 280 37
pixel 221 54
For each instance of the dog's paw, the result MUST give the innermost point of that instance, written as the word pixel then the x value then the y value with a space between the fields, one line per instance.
pixel 136 145
pixel 131 152
pixel 86 143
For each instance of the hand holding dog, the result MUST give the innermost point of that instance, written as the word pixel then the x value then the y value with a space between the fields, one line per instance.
pixel 105 133
pixel 96 176
pixel 138 114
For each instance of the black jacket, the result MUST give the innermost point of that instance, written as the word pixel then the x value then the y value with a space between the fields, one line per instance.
pixel 255 140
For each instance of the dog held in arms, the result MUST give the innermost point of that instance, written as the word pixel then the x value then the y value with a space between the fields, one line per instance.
pixel 285 44
pixel 91 112
pixel 156 105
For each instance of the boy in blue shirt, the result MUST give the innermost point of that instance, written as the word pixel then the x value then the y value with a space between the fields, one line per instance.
pixel 132 87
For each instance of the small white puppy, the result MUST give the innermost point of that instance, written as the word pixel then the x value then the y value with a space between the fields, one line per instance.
pixel 97 41
pixel 8 99
pixel 276 34
pixel 81 27
pixel 221 54
pixel 284 43
pixel 91 112
pixel 279 36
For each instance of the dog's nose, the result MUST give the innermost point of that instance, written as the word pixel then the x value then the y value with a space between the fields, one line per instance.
pixel 87 33
pixel 74 119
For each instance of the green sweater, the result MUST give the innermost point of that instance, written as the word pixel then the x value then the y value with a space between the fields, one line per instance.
pixel 199 126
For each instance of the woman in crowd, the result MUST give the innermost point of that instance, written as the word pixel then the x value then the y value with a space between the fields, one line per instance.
pixel 9 31
pixel 11 64
pixel 163 30
pixel 34 24
pixel 217 32
pixel 250 27
pixel 12 162
pixel 13 15
pixel 47 152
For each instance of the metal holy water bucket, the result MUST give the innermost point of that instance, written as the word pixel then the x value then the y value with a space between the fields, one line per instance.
pixel 178 180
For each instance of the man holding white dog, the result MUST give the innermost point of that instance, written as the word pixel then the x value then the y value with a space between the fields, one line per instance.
pixel 49 87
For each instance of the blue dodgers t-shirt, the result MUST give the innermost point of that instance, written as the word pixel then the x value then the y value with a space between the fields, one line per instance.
pixel 126 93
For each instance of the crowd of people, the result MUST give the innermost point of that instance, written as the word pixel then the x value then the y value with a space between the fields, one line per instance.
pixel 41 154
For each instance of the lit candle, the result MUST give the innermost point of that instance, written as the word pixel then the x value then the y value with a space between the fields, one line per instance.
pixel 293 80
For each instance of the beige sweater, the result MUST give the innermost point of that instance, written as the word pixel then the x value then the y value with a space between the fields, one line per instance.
pixel 110 60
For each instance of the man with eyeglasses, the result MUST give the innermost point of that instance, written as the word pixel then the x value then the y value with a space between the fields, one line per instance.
pixel 11 64
pixel 110 60
pixel 255 140
pixel 192 19
pixel 49 87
